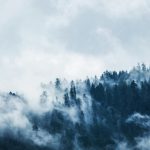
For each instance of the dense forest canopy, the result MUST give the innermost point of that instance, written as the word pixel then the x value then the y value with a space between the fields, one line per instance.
pixel 109 112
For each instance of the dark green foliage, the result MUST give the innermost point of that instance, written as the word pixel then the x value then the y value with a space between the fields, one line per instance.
pixel 72 91
pixel 7 143
pixel 57 122
pixel 58 84
pixel 66 99
pixel 98 92
pixel 114 99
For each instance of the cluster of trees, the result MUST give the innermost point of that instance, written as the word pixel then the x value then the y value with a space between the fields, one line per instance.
pixel 125 98
pixel 114 97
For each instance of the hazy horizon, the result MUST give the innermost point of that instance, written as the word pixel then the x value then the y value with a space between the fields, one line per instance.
pixel 43 40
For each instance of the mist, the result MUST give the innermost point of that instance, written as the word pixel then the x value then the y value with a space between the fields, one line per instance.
pixel 82 114
pixel 67 79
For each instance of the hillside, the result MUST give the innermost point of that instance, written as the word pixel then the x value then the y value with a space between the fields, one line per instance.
pixel 108 112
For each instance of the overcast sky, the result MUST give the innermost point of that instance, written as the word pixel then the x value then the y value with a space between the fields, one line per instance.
pixel 44 39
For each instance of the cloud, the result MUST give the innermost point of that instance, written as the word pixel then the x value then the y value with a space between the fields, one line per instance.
pixel 126 9
pixel 122 146
pixel 25 72
pixel 42 40
pixel 141 120
pixel 143 143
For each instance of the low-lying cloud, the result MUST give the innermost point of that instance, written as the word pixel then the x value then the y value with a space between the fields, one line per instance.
pixel 42 40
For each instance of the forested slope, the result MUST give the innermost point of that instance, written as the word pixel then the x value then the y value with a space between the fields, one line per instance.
pixel 111 111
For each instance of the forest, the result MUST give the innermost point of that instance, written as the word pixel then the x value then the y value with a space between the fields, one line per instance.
pixel 106 112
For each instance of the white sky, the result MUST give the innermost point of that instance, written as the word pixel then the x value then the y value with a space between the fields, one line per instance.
pixel 42 40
